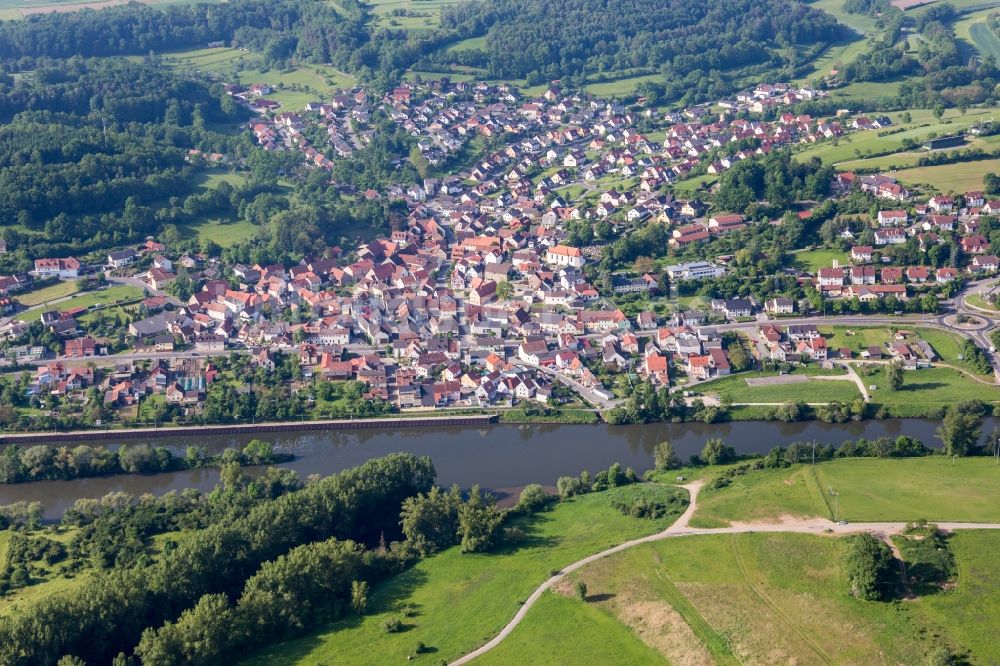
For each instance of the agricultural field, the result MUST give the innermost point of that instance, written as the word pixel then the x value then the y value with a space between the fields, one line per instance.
pixel 17 9
pixel 482 589
pixel 810 389
pixel 773 598
pixel 974 29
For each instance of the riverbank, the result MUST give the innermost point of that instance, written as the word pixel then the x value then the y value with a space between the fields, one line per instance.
pixel 245 428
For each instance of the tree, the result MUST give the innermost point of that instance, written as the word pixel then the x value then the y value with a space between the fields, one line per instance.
pixel 664 457
pixel 504 290
pixel 868 562
pixel 430 522
pixel 581 590
pixel 717 453
pixel 893 376
pixel 739 359
pixel 960 429
pixel 359 596
pixel 478 522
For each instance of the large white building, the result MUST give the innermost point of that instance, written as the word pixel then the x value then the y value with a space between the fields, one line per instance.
pixel 564 255
pixel 695 270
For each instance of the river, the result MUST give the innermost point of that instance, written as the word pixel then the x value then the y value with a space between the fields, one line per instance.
pixel 502 458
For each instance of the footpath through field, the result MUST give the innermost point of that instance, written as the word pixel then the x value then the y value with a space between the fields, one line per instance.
pixel 818 526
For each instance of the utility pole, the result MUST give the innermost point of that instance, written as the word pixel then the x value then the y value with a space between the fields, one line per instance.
pixel 836 503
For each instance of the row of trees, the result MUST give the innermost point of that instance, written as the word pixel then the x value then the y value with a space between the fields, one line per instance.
pixel 42 462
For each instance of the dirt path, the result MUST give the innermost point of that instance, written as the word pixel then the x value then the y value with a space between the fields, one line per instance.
pixel 681 527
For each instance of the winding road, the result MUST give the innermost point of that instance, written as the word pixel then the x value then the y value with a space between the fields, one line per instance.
pixel 680 528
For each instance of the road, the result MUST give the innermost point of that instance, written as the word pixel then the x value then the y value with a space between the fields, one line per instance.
pixel 586 393
pixel 681 528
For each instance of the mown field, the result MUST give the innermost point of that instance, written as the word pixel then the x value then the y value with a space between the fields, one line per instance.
pixel 954 178
pixel 483 590
pixel 102 297
pixel 813 390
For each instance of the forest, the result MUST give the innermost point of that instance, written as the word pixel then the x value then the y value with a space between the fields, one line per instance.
pixel 544 41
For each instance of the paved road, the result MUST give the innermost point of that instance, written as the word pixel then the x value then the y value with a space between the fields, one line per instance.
pixel 681 528
pixel 588 394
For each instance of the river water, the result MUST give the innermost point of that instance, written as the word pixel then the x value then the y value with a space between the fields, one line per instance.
pixel 502 458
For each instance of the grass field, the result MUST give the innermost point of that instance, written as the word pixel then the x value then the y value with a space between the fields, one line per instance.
pixel 107 296
pixel 773 599
pixel 856 145
pixel 226 235
pixel 736 389
pixel 483 590
pixel 813 260
pixel 51 292
pixel 929 388
pixel 860 22
pixel 293 87
pixel 870 489
pixel 622 86
pixel 960 177
pixel 975 30
pixel 574 633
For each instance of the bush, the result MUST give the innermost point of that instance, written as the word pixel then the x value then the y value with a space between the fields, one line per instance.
pixel 392 625
pixel 533 498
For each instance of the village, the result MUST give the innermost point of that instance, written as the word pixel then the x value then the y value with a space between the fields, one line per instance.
pixel 484 298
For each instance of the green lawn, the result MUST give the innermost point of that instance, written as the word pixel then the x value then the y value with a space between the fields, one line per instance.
pixel 813 260
pixel 484 591
pixel 51 292
pixel 928 388
pixel 936 488
pixel 217 231
pixel 104 297
pixel 573 632
pixel 960 177
pixel 870 489
pixel 736 389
